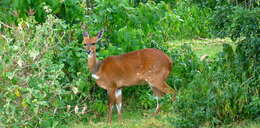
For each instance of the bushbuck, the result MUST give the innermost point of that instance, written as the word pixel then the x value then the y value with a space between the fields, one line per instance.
pixel 148 65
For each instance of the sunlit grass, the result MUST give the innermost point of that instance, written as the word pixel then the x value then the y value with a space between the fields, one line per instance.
pixel 201 47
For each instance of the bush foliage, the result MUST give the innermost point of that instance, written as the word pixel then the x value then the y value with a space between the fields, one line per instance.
pixel 44 81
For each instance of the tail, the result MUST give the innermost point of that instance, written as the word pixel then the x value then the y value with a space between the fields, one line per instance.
pixel 172 91
pixel 171 63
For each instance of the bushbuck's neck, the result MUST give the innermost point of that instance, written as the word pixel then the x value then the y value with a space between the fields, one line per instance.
pixel 92 62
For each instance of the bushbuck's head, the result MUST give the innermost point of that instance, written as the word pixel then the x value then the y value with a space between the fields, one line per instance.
pixel 90 42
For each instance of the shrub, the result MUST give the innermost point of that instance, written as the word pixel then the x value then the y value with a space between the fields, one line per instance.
pixel 214 93
pixel 151 21
pixel 241 25
pixel 35 88
pixel 69 10
pixel 227 89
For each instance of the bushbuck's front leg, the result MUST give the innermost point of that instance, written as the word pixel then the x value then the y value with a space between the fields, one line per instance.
pixel 118 94
pixel 111 102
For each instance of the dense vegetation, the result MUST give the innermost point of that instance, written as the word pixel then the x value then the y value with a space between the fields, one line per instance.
pixel 44 81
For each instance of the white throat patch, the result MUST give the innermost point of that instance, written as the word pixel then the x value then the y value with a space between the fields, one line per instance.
pixel 90 55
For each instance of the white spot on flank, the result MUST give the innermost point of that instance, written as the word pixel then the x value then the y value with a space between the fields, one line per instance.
pixel 95 76
pixel 119 106
pixel 118 92
pixel 149 83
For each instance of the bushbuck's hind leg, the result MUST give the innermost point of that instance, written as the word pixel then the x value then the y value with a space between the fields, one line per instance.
pixel 169 90
pixel 164 87
pixel 158 94
pixel 111 102
pixel 118 94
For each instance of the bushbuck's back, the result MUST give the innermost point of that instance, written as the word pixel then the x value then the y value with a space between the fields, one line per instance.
pixel 134 68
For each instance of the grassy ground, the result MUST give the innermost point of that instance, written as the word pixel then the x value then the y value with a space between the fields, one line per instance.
pixel 204 46
pixel 143 118
pixel 131 119
pixel 243 124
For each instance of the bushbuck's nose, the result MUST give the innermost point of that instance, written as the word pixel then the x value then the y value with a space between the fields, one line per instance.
pixel 88 51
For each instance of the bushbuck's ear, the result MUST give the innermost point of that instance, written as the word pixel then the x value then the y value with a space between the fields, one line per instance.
pixel 100 34
pixel 85 34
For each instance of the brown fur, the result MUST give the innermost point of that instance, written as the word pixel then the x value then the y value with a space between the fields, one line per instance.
pixel 149 65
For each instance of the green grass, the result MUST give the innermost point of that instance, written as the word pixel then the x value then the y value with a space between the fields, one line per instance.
pixel 201 47
pixel 131 119
pixel 144 119
pixel 243 124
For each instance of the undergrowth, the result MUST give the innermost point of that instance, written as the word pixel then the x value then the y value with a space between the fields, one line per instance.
pixel 44 81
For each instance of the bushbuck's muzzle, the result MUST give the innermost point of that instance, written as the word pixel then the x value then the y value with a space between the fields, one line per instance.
pixel 88 52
